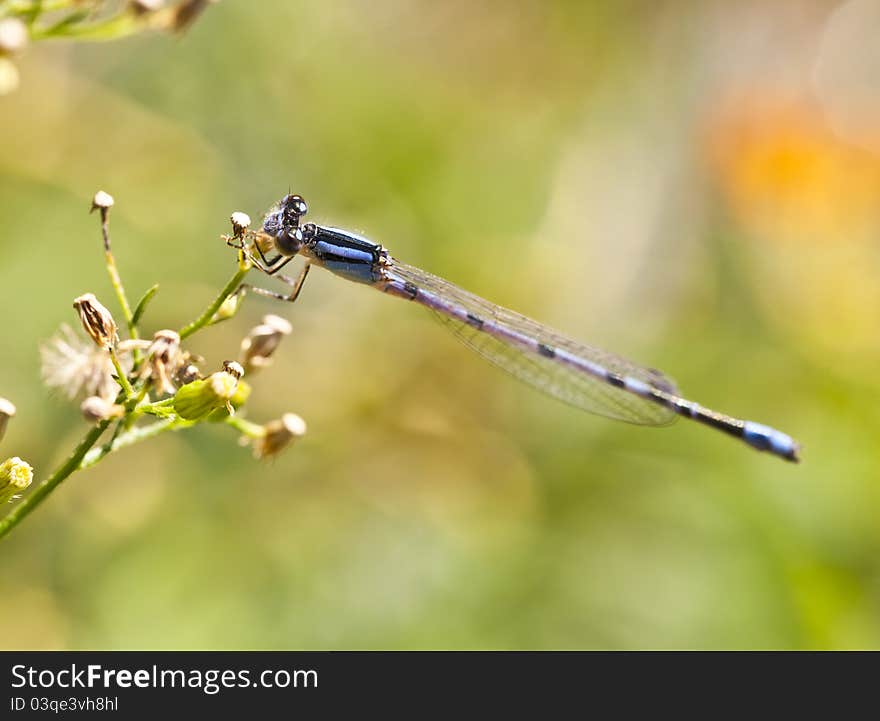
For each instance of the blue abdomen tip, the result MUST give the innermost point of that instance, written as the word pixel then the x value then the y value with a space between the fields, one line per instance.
pixel 765 438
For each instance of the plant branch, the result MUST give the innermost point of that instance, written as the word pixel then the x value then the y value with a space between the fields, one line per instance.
pixel 129 438
pixel 29 503
pixel 205 318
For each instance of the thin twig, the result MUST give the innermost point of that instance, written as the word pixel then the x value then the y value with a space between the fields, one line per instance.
pixel 205 318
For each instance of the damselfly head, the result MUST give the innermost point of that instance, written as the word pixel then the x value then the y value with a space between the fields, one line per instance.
pixel 294 208
pixel 282 223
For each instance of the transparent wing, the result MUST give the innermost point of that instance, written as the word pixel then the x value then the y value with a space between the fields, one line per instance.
pixel 547 374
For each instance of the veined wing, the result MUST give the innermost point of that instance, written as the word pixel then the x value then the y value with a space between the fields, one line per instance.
pixel 548 374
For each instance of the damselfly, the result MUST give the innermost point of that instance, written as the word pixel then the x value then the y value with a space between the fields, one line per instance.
pixel 578 374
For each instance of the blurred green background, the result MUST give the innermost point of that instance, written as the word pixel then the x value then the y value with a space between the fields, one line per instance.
pixel 695 185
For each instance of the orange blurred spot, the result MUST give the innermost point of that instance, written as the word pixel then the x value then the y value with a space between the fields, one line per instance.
pixel 787 176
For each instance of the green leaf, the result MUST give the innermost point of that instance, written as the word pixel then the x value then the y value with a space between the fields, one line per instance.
pixel 71 27
pixel 142 304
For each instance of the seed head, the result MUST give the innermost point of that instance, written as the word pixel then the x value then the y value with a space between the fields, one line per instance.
pixel 163 358
pixel 279 434
pixel 96 320
pixel 102 201
pixel 187 374
pixel 262 341
pixel 240 223
pixel 95 409
pixel 15 476
pixel 74 365
pixel 7 410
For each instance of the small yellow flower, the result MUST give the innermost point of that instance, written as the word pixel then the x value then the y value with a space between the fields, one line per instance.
pixel 15 476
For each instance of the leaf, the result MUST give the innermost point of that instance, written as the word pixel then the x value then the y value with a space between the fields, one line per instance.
pixel 142 304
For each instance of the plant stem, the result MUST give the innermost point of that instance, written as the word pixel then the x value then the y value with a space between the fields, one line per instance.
pixel 28 504
pixel 116 281
pixel 246 427
pixel 129 438
pixel 204 319
pixel 120 375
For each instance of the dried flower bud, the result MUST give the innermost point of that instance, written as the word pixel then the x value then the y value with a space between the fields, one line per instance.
pixel 240 223
pixel 7 410
pixel 163 357
pixel 279 434
pixel 143 7
pixel 95 408
pixel 187 374
pixel 186 13
pixel 196 400
pixel 13 36
pixel 262 341
pixel 96 320
pixel 15 476
pixel 102 201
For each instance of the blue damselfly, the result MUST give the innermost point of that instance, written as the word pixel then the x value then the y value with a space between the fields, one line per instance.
pixel 586 377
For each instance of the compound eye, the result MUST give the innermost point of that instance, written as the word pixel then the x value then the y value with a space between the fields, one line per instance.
pixel 297 205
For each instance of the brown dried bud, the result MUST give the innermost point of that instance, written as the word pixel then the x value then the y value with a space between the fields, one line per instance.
pixel 187 374
pixel 96 320
pixel 95 408
pixel 186 13
pixel 13 36
pixel 262 341
pixel 279 434
pixel 143 7
pixel 164 356
pixel 7 410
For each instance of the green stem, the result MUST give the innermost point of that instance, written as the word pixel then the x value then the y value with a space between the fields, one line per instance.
pixel 120 375
pixel 246 427
pixel 116 281
pixel 28 504
pixel 129 438
pixel 234 282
